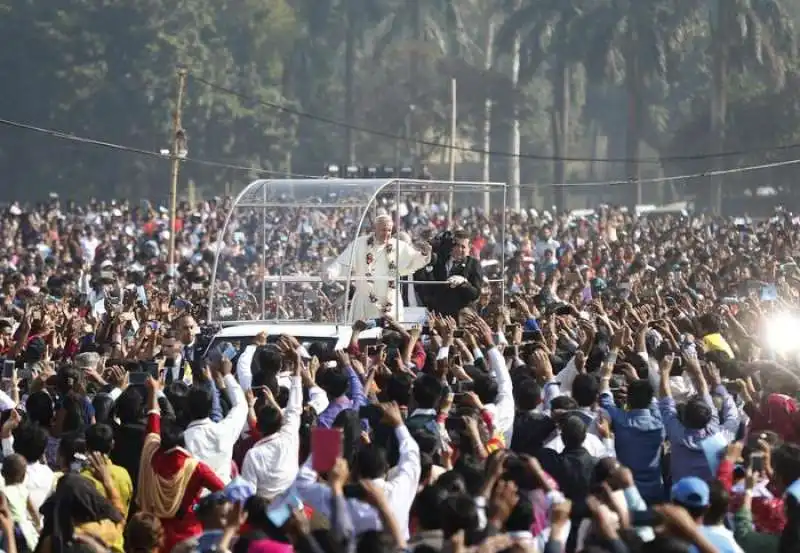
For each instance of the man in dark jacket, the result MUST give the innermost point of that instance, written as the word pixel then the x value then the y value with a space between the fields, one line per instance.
pixel 462 274
pixel 427 391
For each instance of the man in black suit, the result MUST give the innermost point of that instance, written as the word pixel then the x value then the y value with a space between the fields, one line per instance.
pixel 463 276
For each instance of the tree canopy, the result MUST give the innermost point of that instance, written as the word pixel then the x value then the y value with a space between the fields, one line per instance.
pixel 286 86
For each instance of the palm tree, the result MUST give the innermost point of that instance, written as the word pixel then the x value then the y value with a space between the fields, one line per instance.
pixel 744 33
pixel 359 15
pixel 545 31
pixel 629 40
pixel 420 22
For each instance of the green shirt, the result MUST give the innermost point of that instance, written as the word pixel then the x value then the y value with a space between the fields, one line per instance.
pixel 750 540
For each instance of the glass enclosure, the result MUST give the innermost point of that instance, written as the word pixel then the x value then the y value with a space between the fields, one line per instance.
pixel 281 235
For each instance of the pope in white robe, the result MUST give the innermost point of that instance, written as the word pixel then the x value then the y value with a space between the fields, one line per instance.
pixel 374 262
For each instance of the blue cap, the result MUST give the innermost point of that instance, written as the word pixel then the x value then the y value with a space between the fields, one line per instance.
pixel 691 492
pixel 239 490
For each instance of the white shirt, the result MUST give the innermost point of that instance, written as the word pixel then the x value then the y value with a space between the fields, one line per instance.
pixel 89 248
pixel 243 367
pixel 317 397
pixel 595 446
pixel 502 410
pixel 681 386
pixel 6 402
pixel 400 488
pixel 175 371
pixel 272 463
pixel 544 245
pixel 39 482
pixel 212 442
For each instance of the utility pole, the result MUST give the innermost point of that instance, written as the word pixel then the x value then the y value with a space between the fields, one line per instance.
pixel 453 132
pixel 178 152
pixel 487 119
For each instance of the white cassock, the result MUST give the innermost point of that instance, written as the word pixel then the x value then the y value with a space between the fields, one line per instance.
pixel 379 297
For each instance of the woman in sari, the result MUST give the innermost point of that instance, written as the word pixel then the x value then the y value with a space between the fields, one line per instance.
pixel 76 510
pixel 170 478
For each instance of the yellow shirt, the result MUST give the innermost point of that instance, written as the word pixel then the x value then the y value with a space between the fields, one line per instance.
pixel 123 485
pixel 715 342
pixel 109 532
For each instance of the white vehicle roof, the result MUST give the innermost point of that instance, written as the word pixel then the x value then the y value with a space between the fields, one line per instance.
pixel 301 331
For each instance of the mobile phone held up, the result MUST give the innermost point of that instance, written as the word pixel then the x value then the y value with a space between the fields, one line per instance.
pixel 138 378
pixel 279 513
pixel 756 461
pixel 8 368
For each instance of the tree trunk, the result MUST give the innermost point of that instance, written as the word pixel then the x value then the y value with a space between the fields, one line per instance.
pixel 514 138
pixel 486 157
pixel 349 71
pixel 595 132
pixel 633 83
pixel 560 131
pixel 414 76
pixel 719 108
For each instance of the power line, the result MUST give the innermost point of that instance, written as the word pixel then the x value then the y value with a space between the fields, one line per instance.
pixel 120 147
pixel 475 150
pixel 704 174
pixel 130 149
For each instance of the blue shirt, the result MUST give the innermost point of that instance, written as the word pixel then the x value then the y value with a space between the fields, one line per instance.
pixel 639 434
pixel 531 326
pixel 694 452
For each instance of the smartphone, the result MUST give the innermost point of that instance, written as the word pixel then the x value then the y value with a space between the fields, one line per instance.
pixel 154 325
pixel 371 413
pixel 280 513
pixel 510 330
pixel 138 378
pixel 149 367
pixel 463 386
pixel 8 368
pixel 197 286
pixel 456 361
pixel 646 518
pixel 531 335
pixel 757 462
pixel 373 351
pixel 225 349
pixel 229 352
pixel 326 447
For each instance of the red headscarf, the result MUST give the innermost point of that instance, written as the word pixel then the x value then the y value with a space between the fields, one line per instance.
pixel 780 414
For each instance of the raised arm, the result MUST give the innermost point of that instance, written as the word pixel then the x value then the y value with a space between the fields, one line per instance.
pixel 341 265
pixel 410 259
pixel 234 422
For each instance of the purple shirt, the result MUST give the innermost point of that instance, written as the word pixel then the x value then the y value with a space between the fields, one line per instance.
pixel 356 399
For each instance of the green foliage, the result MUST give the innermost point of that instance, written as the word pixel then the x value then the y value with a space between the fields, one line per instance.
pixel 598 78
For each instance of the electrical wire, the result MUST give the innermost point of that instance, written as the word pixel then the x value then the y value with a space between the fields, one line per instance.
pixel 130 149
pixel 653 180
pixel 119 147
pixel 474 150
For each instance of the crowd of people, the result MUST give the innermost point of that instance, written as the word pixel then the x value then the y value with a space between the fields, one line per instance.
pixel 606 383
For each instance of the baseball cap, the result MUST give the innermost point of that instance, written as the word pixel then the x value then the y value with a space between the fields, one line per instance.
pixel 239 490
pixel 691 492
